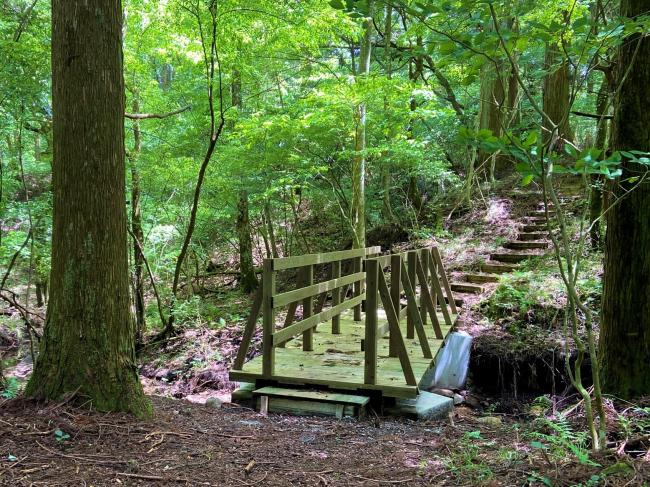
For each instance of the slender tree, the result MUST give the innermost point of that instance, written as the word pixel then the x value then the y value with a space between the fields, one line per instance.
pixel 625 329
pixel 88 344
pixel 358 216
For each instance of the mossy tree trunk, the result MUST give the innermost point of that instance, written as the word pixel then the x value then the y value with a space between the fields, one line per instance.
pixel 88 343
pixel 358 208
pixel 596 194
pixel 556 98
pixel 136 229
pixel 247 277
pixel 625 328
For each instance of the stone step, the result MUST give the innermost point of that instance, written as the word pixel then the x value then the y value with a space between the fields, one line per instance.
pixel 528 236
pixel 481 278
pixel 525 245
pixel 497 268
pixel 511 257
pixel 466 287
pixel 534 228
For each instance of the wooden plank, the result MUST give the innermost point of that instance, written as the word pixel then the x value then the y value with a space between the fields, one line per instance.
pixel 336 298
pixel 370 346
pixel 387 390
pixel 268 330
pixel 414 313
pixel 395 296
pixel 424 282
pixel 383 260
pixel 293 307
pixel 283 263
pixel 426 301
pixel 395 333
pixel 412 278
pixel 358 287
pixel 320 396
pixel 315 289
pixel 305 408
pixel 437 289
pixel 445 280
pixel 308 311
pixel 249 330
pixel 297 328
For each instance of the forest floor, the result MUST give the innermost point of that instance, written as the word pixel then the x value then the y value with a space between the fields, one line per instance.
pixel 506 432
pixel 191 444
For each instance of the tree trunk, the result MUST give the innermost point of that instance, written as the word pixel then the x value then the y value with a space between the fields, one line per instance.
pixel 358 216
pixel 387 210
pixel 596 195
pixel 625 328
pixel 138 233
pixel 88 343
pixel 268 218
pixel 556 98
pixel 247 277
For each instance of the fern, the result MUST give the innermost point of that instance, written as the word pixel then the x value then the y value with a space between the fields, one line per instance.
pixel 564 440
pixel 11 388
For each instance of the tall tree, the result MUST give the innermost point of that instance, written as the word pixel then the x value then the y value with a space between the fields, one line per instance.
pixel 88 344
pixel 358 209
pixel 556 96
pixel 625 329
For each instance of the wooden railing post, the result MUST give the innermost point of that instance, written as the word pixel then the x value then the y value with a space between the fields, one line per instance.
pixel 268 290
pixel 370 341
pixel 358 288
pixel 412 273
pixel 435 253
pixel 423 307
pixel 307 310
pixel 336 297
pixel 395 296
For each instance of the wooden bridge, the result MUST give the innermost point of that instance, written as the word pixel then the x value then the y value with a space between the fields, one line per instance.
pixel 368 323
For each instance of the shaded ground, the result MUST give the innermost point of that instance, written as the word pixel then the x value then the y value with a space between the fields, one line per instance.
pixel 189 444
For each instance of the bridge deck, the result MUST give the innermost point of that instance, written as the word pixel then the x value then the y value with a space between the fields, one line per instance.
pixel 337 361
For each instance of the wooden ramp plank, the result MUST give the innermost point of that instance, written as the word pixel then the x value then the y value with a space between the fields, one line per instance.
pixel 310 395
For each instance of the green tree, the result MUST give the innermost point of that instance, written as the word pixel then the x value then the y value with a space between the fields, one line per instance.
pixel 88 344
pixel 625 329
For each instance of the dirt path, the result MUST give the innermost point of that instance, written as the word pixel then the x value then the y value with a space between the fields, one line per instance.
pixel 189 444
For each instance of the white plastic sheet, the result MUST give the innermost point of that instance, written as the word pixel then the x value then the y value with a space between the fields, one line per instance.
pixel 450 371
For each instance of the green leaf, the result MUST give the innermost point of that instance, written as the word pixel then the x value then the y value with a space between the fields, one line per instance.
pixel 527 179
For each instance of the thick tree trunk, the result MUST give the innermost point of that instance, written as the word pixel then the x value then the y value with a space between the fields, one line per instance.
pixel 625 328
pixel 88 343
pixel 247 277
pixel 556 98
pixel 358 209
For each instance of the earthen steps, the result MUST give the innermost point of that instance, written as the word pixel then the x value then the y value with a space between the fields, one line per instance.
pixel 467 288
pixel 542 213
pixel 528 236
pixel 497 268
pixel 481 278
pixel 534 228
pixel 535 220
pixel 511 257
pixel 526 245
